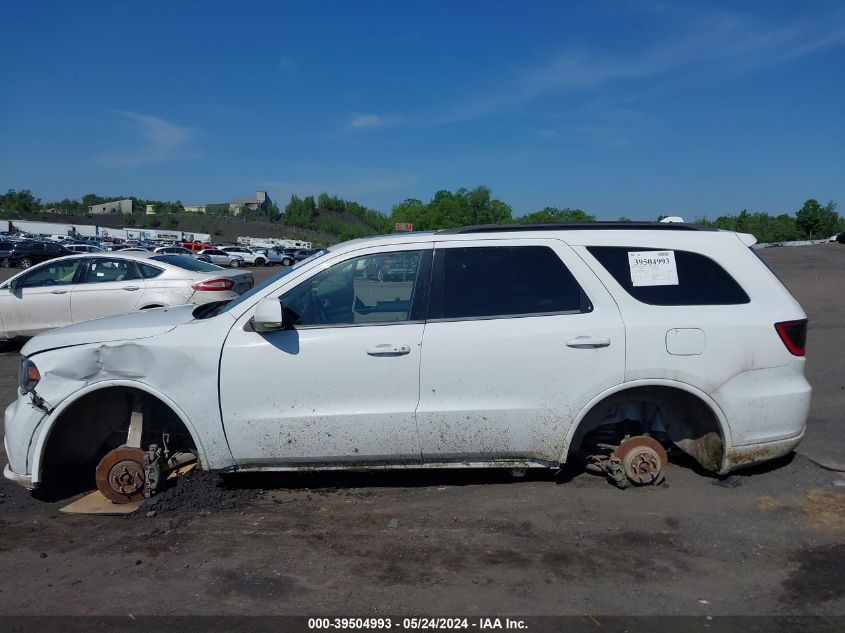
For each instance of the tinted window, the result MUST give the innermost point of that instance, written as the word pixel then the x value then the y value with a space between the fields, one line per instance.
pixel 55 274
pixel 701 281
pixel 484 282
pixel 102 270
pixel 188 263
pixel 369 289
pixel 148 272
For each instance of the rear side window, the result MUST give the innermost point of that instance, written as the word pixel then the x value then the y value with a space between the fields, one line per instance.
pixel 148 272
pixel 503 281
pixel 701 281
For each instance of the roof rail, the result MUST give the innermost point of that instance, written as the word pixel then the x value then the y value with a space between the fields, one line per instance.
pixel 577 226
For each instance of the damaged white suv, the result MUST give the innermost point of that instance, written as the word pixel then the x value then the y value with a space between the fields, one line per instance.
pixel 505 346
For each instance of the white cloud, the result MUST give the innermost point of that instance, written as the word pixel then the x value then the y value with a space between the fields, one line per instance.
pixel 157 140
pixel 366 121
pixel 702 40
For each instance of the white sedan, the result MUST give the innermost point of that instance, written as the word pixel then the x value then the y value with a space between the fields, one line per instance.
pixel 92 285
pixel 220 257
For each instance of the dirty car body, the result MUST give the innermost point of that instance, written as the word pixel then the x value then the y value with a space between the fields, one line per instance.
pixel 680 333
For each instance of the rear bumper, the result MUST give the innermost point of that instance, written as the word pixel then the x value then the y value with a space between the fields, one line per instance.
pixel 753 454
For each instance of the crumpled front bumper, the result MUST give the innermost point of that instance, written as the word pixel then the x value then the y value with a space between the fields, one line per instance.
pixel 22 422
pixel 23 480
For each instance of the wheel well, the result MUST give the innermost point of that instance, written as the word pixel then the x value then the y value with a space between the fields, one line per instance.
pixel 687 421
pixel 99 422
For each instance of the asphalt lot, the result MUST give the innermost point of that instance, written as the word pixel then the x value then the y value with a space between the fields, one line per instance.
pixel 768 541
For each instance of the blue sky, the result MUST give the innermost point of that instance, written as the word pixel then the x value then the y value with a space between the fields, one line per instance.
pixel 628 109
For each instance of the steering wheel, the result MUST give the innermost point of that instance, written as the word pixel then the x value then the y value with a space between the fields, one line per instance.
pixel 315 307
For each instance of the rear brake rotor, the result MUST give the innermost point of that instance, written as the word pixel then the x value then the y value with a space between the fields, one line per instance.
pixel 120 475
pixel 643 460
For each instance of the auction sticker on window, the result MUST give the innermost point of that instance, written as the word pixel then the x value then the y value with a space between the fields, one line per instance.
pixel 653 268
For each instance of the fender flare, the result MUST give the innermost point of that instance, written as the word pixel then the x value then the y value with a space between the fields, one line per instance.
pixel 51 420
pixel 724 427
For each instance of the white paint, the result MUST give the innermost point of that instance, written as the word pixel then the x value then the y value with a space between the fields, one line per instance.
pixel 475 392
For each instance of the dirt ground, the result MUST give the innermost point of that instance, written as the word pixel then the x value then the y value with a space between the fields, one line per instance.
pixel 767 541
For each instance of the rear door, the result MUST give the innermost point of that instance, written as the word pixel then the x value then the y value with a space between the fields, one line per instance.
pixel 520 336
pixel 109 286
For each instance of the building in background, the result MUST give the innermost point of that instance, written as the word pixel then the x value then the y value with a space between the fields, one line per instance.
pixel 194 208
pixel 118 206
pixel 260 201
pixel 150 209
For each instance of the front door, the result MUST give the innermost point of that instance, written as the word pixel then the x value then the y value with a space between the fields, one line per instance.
pixel 40 298
pixel 342 383
pixel 520 336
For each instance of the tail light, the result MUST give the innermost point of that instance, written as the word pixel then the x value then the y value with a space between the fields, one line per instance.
pixel 213 285
pixel 794 335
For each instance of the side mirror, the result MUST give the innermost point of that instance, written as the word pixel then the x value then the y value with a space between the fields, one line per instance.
pixel 13 285
pixel 268 315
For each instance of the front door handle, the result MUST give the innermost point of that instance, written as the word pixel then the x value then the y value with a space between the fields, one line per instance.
pixel 58 292
pixel 128 288
pixel 386 349
pixel 586 342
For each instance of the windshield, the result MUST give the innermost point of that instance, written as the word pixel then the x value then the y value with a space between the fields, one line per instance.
pixel 186 262
pixel 210 310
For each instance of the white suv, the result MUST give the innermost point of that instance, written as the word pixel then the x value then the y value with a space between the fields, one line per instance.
pixel 496 346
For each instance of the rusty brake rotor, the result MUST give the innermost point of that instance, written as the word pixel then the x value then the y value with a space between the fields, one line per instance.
pixel 120 475
pixel 643 460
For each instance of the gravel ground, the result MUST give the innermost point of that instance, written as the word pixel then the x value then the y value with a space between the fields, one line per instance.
pixel 766 541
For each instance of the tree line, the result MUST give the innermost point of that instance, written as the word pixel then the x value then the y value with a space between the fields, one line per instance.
pixel 347 219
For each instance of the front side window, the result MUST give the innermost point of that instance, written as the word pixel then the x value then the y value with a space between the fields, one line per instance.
pixel 102 270
pixel 503 281
pixel 380 288
pixel 60 273
pixel 696 279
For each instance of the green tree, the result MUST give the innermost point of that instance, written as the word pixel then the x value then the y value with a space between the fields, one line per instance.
pixel 17 202
pixel 553 214
pixel 449 209
pixel 815 220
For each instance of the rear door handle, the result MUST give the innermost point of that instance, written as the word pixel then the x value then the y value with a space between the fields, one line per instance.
pixel 585 342
pixel 128 288
pixel 386 349
pixel 58 292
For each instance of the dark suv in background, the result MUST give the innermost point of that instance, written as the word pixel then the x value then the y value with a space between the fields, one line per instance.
pixel 25 254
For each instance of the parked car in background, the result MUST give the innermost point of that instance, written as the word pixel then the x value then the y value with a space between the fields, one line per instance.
pixel 196 247
pixel 841 238
pixel 26 253
pixel 272 257
pixel 304 253
pixel 219 257
pixel 89 286
pixel 173 250
pixel 251 258
pixel 5 253
pixel 84 248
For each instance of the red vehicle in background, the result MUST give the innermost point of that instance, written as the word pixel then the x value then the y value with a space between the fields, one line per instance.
pixel 196 247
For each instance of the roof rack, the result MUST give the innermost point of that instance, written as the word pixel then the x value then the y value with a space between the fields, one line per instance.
pixel 577 226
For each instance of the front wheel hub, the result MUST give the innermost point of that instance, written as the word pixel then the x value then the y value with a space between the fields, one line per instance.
pixel 643 460
pixel 120 475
